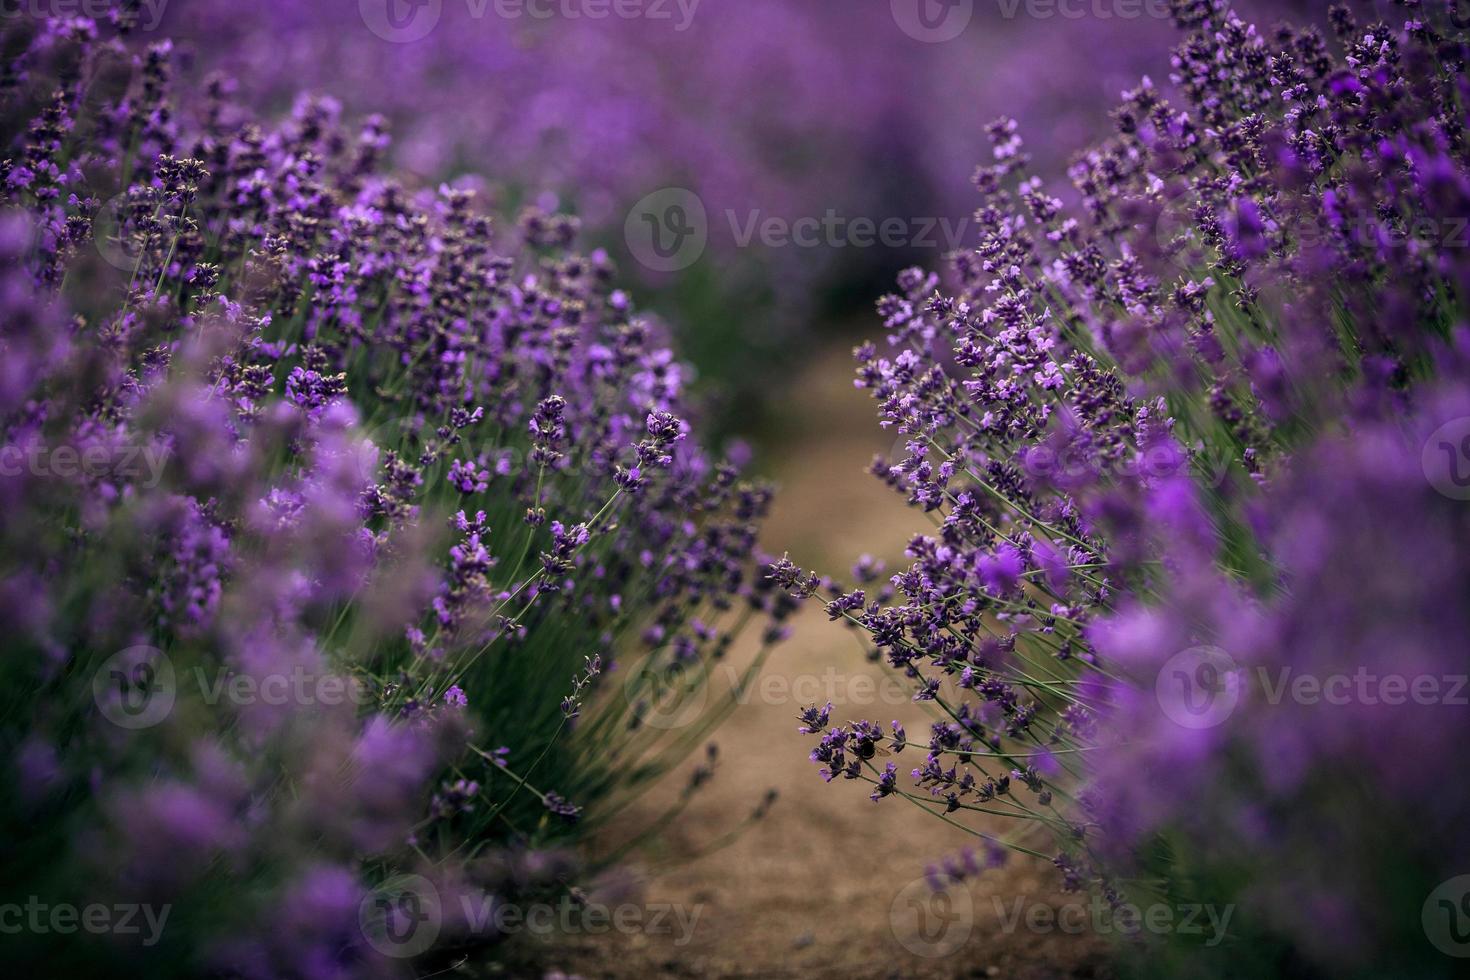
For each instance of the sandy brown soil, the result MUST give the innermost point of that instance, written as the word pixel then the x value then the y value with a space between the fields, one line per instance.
pixel 830 885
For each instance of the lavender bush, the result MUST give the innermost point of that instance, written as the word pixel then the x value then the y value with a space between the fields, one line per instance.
pixel 329 508
pixel 1195 451
pixel 766 109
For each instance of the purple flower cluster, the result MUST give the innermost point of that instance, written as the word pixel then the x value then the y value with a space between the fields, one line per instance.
pixel 768 110
pixel 414 483
pixel 1185 443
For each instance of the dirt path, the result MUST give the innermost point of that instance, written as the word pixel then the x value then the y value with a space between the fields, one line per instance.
pixel 830 885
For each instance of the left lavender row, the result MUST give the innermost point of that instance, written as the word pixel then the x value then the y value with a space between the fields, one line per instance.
pixel 356 555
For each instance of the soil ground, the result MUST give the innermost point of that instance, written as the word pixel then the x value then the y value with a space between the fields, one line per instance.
pixel 830 884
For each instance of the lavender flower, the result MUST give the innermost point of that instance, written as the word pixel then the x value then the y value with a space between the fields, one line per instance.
pixel 1190 412
pixel 286 370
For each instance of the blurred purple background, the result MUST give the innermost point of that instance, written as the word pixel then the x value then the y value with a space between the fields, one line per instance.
pixel 787 109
